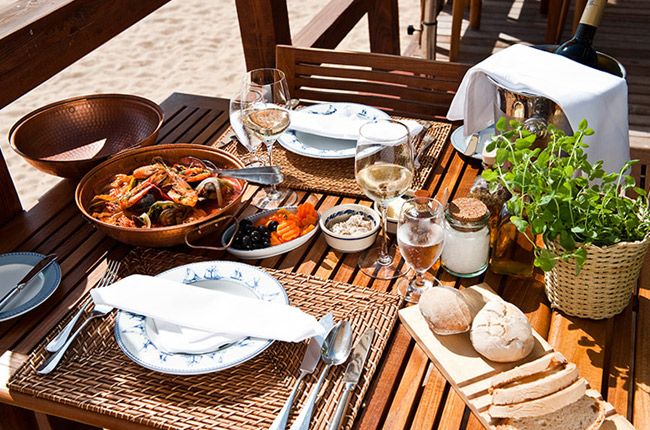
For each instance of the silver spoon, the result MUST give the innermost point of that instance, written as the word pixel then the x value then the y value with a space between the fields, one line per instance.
pixel 335 350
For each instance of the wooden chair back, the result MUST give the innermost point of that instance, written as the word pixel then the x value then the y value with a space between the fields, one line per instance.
pixel 641 170
pixel 400 85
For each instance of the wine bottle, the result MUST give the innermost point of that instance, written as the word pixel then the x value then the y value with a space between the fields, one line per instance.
pixel 579 48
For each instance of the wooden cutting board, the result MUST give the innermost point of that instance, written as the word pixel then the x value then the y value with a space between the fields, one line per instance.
pixel 469 373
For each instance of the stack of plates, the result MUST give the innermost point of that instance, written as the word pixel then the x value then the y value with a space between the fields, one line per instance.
pixel 314 146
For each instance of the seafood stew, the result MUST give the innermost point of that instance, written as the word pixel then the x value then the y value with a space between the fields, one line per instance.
pixel 164 193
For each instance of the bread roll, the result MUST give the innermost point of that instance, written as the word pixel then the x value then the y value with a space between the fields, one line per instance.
pixel 501 332
pixel 448 310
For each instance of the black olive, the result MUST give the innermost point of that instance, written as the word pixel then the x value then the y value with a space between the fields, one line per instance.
pixel 273 226
pixel 246 240
pixel 266 243
pixel 255 235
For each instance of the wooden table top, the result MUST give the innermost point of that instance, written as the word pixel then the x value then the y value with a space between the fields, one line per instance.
pixel 407 392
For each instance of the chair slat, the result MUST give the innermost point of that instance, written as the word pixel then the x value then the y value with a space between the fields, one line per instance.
pixel 379 90
pixel 395 106
pixel 438 81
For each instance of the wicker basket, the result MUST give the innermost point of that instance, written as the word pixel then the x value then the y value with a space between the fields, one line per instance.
pixel 605 284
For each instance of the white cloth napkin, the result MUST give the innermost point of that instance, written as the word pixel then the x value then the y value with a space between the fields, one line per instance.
pixel 581 92
pixel 337 126
pixel 193 319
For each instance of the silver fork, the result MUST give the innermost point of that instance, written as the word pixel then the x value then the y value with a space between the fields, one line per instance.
pixel 54 359
pixel 109 276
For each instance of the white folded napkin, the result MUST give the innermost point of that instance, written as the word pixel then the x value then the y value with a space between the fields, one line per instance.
pixel 194 319
pixel 337 126
pixel 581 92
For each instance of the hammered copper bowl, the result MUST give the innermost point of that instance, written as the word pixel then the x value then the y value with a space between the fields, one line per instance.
pixel 70 137
pixel 125 162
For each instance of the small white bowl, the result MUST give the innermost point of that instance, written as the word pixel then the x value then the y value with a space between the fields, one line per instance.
pixel 391 222
pixel 345 243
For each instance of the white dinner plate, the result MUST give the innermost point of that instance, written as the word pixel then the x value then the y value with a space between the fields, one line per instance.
pixel 271 251
pixel 314 146
pixel 133 335
pixel 459 141
pixel 13 267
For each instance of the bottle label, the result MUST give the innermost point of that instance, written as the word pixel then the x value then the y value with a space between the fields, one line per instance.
pixel 593 12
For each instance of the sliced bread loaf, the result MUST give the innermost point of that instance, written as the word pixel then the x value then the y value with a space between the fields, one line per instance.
pixel 542 406
pixel 587 413
pixel 536 386
pixel 541 364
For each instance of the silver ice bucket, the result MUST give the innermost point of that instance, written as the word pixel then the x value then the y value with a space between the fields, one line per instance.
pixel 536 111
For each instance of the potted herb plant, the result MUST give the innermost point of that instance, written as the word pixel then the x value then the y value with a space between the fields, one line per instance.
pixel 595 225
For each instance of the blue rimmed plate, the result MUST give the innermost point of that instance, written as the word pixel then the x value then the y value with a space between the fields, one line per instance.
pixel 459 141
pixel 314 146
pixel 131 330
pixel 13 267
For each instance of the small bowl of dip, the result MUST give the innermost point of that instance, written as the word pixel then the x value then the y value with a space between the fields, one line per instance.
pixel 392 212
pixel 350 227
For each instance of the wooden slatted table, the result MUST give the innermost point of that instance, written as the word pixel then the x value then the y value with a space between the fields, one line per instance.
pixel 408 392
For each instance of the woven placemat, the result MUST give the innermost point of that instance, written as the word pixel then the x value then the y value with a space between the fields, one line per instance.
pixel 337 176
pixel 96 376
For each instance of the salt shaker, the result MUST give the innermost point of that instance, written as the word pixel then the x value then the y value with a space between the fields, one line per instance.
pixel 467 238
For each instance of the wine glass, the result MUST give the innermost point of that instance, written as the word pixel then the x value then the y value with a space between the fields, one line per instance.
pixel 268 119
pixel 240 102
pixel 420 236
pixel 384 171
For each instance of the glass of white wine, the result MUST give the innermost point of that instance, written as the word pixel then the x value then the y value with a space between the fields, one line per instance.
pixel 239 103
pixel 384 171
pixel 268 119
pixel 421 238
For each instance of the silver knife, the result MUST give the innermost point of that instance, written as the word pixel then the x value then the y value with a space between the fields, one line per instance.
pixel 40 266
pixel 307 366
pixel 352 374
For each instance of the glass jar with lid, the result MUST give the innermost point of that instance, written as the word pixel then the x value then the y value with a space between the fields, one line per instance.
pixel 467 238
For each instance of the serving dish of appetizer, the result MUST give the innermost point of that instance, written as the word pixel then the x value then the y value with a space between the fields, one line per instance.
pixel 155 196
pixel 272 232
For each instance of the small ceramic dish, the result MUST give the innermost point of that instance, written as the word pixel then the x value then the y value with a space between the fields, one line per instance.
pixel 392 214
pixel 271 251
pixel 346 243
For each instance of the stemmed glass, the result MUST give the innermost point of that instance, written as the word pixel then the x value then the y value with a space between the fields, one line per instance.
pixel 384 171
pixel 268 119
pixel 238 103
pixel 420 236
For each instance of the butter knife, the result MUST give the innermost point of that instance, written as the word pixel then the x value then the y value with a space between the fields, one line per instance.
pixel 40 266
pixel 307 366
pixel 352 374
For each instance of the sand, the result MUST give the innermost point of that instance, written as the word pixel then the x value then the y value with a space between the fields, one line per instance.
pixel 190 46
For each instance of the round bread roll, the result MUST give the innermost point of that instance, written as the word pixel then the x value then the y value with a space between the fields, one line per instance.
pixel 501 332
pixel 448 310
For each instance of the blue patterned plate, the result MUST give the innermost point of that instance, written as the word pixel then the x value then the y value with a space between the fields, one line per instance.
pixel 226 276
pixel 13 267
pixel 459 141
pixel 314 146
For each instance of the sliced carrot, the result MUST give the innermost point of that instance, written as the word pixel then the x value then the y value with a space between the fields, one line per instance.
pixel 275 239
pixel 307 229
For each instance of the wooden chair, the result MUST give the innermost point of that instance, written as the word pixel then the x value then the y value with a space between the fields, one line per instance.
pixel 557 11
pixel 457 13
pixel 8 196
pixel 400 85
